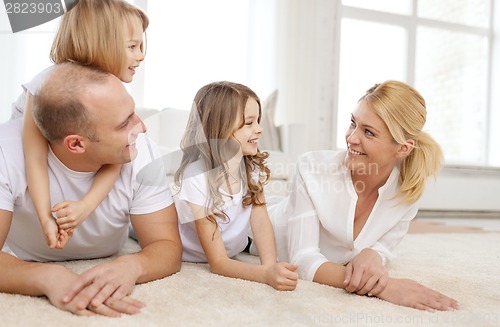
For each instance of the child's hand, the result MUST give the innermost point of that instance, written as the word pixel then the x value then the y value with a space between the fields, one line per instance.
pixel 63 238
pixel 55 238
pixel 70 214
pixel 366 274
pixel 282 276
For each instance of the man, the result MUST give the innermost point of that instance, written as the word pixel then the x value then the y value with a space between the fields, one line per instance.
pixel 89 120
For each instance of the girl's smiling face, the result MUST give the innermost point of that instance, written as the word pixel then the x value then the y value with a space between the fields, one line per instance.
pixel 248 135
pixel 134 55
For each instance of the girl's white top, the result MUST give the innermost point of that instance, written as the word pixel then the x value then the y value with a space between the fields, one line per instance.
pixel 234 231
pixel 31 87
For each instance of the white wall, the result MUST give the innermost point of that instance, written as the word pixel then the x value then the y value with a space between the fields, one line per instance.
pixel 463 189
pixel 306 68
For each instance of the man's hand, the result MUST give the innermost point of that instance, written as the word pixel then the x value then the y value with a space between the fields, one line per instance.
pixel 104 289
pixel 59 280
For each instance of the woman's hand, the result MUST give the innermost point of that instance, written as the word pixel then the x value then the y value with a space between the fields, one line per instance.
pixel 366 274
pixel 411 294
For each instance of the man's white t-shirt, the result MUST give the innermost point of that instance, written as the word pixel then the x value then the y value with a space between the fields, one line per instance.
pixel 141 188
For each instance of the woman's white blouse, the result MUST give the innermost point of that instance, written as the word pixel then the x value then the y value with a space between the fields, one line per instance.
pixel 320 212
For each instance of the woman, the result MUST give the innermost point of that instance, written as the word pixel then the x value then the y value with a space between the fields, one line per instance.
pixel 349 209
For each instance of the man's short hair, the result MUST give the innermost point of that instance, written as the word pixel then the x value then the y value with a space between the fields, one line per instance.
pixel 58 108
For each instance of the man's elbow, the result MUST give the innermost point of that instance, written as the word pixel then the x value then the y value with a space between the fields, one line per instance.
pixel 175 259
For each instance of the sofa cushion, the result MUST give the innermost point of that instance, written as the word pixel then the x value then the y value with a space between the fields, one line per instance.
pixel 270 139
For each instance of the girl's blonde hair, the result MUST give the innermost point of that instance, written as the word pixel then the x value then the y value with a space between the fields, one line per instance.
pixel 403 110
pixel 92 34
pixel 218 107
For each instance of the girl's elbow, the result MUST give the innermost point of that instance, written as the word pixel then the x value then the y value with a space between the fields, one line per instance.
pixel 217 267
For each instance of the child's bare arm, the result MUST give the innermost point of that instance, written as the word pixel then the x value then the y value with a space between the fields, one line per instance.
pixel 280 276
pixel 35 152
pixel 71 214
pixel 263 232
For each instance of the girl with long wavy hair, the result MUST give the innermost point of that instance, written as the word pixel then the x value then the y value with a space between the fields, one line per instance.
pixel 220 194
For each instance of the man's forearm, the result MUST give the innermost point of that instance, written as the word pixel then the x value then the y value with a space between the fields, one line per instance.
pixel 25 278
pixel 157 260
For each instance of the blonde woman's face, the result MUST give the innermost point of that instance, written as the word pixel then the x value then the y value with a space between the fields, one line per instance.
pixel 248 135
pixel 134 56
pixel 371 149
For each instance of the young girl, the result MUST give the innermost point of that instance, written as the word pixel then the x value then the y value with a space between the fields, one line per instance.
pixel 220 187
pixel 104 33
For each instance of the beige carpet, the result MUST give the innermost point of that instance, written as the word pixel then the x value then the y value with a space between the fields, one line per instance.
pixel 465 266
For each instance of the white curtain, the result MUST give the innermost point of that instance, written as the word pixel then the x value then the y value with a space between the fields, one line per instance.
pixel 306 67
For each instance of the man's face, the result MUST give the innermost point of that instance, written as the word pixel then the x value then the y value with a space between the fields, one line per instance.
pixel 117 125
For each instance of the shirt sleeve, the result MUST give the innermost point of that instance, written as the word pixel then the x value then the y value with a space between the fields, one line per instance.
pixel 193 190
pixel 6 193
pixel 151 188
pixel 34 85
pixel 303 231
pixel 388 242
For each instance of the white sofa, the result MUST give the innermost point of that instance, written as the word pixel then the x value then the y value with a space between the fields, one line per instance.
pixel 166 127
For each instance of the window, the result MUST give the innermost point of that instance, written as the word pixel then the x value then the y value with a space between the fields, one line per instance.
pixel 442 48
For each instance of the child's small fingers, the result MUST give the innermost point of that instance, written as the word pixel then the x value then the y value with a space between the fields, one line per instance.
pixel 63 222
pixel 289 266
pixel 292 275
pixel 61 213
pixel 66 226
pixel 71 221
pixel 288 285
pixel 51 241
pixel 59 206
